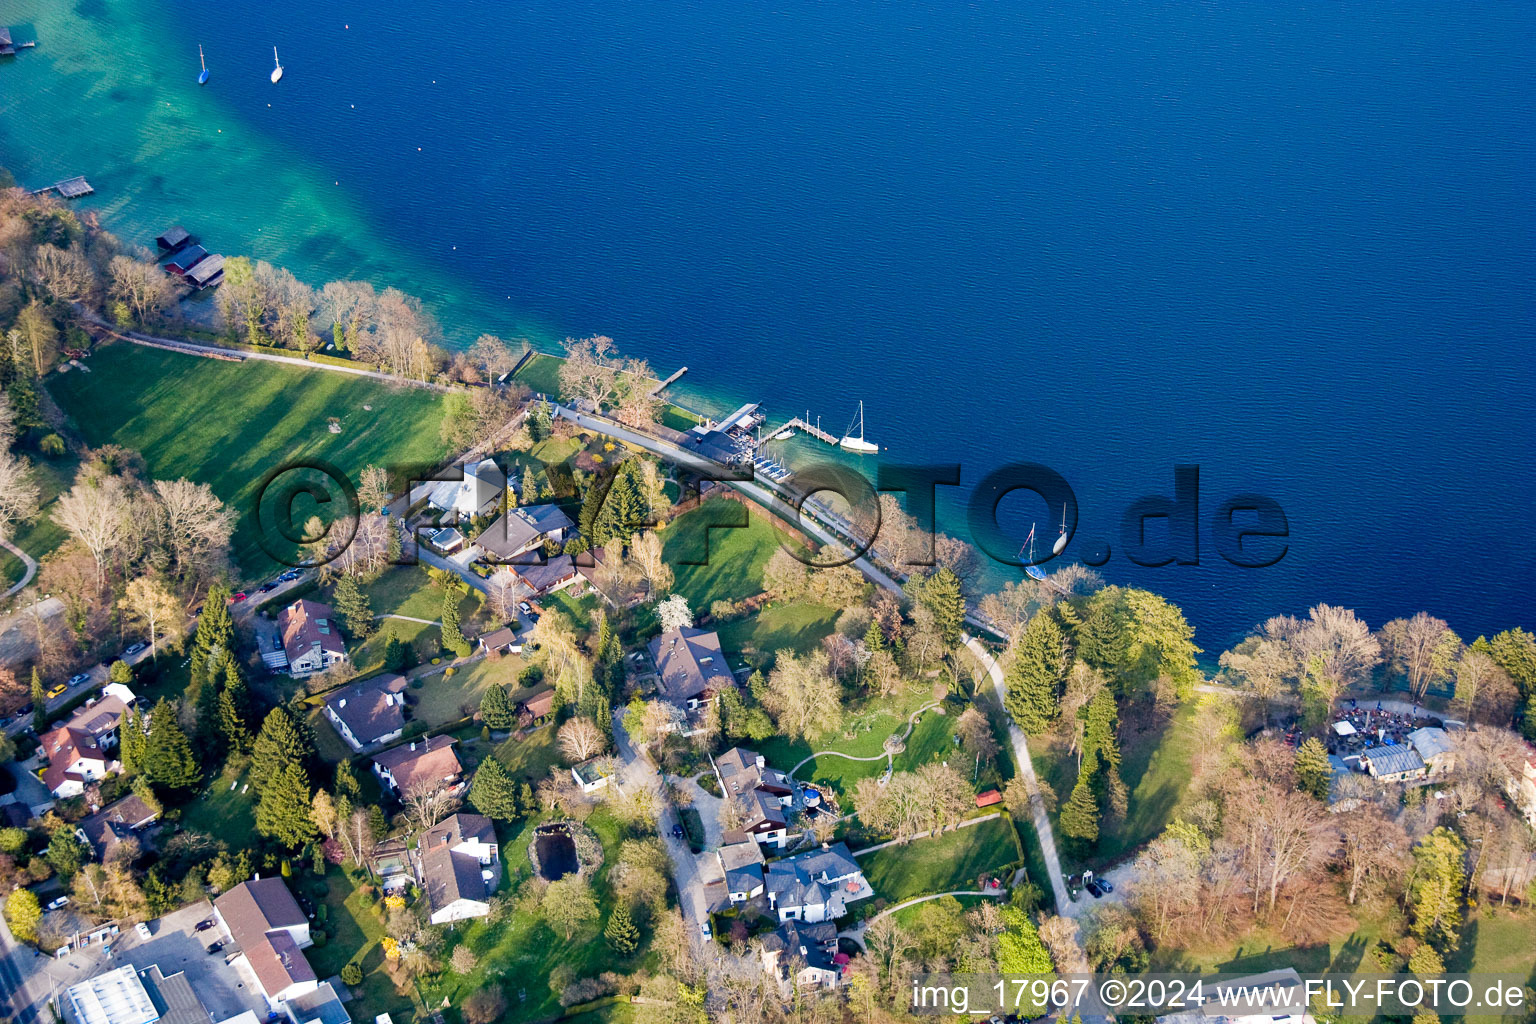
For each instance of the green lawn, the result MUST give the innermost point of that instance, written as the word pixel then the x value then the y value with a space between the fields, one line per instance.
pixel 954 860
pixel 42 536
pixel 1155 763
pixel 354 932
pixel 542 374
pixel 225 813
pixel 443 699
pixel 734 556
pixel 531 757
pixel 407 590
pixel 794 627
pixel 227 424
pixel 932 739
pixel 368 656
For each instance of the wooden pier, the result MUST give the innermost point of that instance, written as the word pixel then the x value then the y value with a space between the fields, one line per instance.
pixel 69 188
pixel 802 425
pixel 659 388
pixel 9 48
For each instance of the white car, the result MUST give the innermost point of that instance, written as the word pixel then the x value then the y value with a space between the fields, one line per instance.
pixel 62 901
pixel 143 929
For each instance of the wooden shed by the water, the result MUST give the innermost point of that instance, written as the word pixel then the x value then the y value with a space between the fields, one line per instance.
pixel 207 272
pixel 189 257
pixel 173 239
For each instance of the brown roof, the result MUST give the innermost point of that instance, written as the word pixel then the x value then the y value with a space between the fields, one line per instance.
pixel 498 637
pixel 256 913
pixel 691 664
pixel 64 747
pixel 307 624
pixel 459 828
pixel 429 761
pixel 372 709
pixel 540 704
pixel 449 876
pixel 116 822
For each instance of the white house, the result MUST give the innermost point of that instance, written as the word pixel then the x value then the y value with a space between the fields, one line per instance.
pixel 459 867
pixel 815 886
pixel 82 750
pixel 593 774
pixel 265 921
pixel 369 712
pixel 762 792
pixel 310 637
pixel 481 489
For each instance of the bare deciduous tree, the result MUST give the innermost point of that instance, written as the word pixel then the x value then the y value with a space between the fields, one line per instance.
pixel 1422 648
pixel 427 803
pixel 1375 847
pixel 142 286
pixel 580 739
pixel 95 512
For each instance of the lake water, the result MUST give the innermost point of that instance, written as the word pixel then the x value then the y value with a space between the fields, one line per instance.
pixel 1292 244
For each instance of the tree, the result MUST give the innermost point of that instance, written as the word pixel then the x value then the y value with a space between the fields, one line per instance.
pixel 497 709
pixel 975 734
pixel 23 913
pixel 280 743
pixel 195 527
pixel 1480 682
pixel 492 357
pixel 1515 651
pixel 427 802
pixel 1019 949
pixel 674 613
pixel 785 576
pixel 1080 814
pixel 39 703
pixel 942 594
pixel 150 603
pixel 322 811
pixel 1313 772
pixel 453 636
pixel 95 512
pixel 1374 847
pixel 622 935
pixel 18 492
pixel 1422 649
pixel 283 811
pixel 494 792
pixel 646 552
pixel 1036 674
pixel 352 605
pixel 67 852
pixel 214 636
pixel 802 696
pixel 234 707
pixel 168 761
pixel 568 904
pixel 1435 887
pixel 142 285
pixel 484 1005
pixel 580 739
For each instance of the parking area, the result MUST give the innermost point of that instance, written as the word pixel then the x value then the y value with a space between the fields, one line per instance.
pixel 175 945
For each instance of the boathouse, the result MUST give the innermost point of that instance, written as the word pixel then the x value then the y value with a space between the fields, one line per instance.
pixel 206 273
pixel 185 260
pixel 173 239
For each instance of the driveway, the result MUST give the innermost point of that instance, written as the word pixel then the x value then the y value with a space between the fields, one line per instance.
pixel 708 807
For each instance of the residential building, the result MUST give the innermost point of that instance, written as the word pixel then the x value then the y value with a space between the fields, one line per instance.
pixel 127 818
pixel 458 862
pixel 741 863
pixel 763 793
pixel 1394 762
pixel 420 764
pixel 691 666
pixel 1521 786
pixel 310 637
pixel 803 955
pixel 82 750
pixel 815 886
pixel 447 540
pixel 593 774
pixel 539 706
pixel 265 921
pixel 1275 997
pixel 521 530
pixel 481 489
pixel 540 578
pixel 1435 749
pixel 368 712
pixel 501 641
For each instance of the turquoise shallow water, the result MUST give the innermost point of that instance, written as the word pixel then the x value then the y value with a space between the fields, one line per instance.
pixel 1292 244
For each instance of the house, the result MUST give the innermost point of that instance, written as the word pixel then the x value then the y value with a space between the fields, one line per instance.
pixel 691 665
pixel 80 751
pixel 127 995
pixel 520 530
pixel 596 566
pixel 310 637
pixel 1395 762
pixel 480 489
pixel 457 862
pixel 593 774
pixel 762 792
pixel 741 863
pixel 420 764
pixel 554 574
pixel 1435 749
pixel 536 707
pixel 815 886
pixel 207 273
pixel 117 821
pixel 1521 787
pixel 1274 997
pixel 501 641
pixel 447 540
pixel 184 260
pixel 265 921
pixel 369 712
pixel 803 955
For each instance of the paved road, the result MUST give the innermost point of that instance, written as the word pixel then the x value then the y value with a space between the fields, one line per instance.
pixel 26 560
pixel 1064 905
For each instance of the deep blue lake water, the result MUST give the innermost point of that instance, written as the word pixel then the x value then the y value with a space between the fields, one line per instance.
pixel 1292 244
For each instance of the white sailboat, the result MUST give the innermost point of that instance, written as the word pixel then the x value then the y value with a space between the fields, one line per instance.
pixel 1031 570
pixel 277 72
pixel 854 442
pixel 1061 541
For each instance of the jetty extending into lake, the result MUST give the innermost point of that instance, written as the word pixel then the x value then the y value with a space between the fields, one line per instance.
pixel 69 188
pixel 8 47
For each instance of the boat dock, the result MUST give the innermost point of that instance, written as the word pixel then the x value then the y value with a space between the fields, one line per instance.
pixel 805 426
pixel 659 388
pixel 69 188
pixel 9 48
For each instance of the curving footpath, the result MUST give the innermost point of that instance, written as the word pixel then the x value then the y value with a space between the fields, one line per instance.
pixel 26 560
pixel 1064 905
pixel 856 933
pixel 886 756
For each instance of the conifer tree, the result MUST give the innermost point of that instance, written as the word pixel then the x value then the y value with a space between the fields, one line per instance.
pixel 168 761
pixel 234 704
pixel 453 636
pixel 132 742
pixel 529 491
pixel 874 638
pixel 394 652
pixel 1036 675
pixel 283 812
pixel 352 605
pixel 1313 772
pixel 1101 639
pixel 347 786
pixel 497 709
pixel 214 636
pixel 622 935
pixel 624 511
pixel 39 703
pixel 943 597
pixel 281 742
pixel 493 792
pixel 1080 814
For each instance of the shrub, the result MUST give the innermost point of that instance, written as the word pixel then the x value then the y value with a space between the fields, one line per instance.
pixel 352 974
pixel 484 1005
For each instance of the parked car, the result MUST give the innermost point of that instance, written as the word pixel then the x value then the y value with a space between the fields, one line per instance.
pixel 214 947
pixel 78 678
pixel 1106 884
pixel 203 926
pixel 142 929
pixel 704 928
pixel 291 575
pixel 58 690
pixel 241 596
pixel 525 607
pixel 266 588
pixel 677 831
pixel 62 901
pixel 1093 887
pixel 133 649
